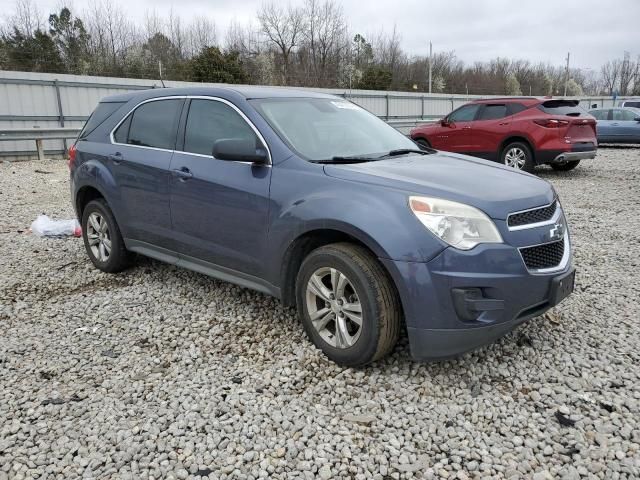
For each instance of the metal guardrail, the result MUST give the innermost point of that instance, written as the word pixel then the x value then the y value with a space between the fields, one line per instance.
pixel 39 134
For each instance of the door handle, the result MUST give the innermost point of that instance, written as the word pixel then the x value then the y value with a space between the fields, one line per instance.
pixel 182 173
pixel 503 123
pixel 116 158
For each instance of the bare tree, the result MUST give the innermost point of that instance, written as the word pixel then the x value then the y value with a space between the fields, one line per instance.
pixel 282 27
pixel 201 34
pixel 628 72
pixel 26 18
pixel 610 75
pixel 324 33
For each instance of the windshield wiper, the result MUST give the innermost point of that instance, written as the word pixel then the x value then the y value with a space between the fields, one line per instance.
pixel 339 159
pixel 405 151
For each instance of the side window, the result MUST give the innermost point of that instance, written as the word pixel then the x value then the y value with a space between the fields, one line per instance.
pixel 618 114
pixel 464 114
pixel 629 115
pixel 514 108
pixel 121 134
pixel 152 124
pixel 599 114
pixel 210 121
pixel 493 112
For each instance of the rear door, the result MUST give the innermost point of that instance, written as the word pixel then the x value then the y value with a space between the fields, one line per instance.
pixel 491 126
pixel 219 208
pixel 456 135
pixel 140 156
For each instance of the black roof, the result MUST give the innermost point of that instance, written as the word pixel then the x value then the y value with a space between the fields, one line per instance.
pixel 246 92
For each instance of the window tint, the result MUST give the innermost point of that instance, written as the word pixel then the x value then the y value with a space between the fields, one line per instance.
pixel 599 114
pixel 493 112
pixel 211 120
pixel 121 134
pixel 464 114
pixel 99 115
pixel 562 107
pixel 152 124
pixel 516 108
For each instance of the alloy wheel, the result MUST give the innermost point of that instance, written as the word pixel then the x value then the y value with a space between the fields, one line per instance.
pixel 334 307
pixel 515 158
pixel 99 237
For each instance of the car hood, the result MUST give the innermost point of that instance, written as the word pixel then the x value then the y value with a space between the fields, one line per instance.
pixel 493 188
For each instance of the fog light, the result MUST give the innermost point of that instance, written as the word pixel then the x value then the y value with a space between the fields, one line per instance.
pixel 470 303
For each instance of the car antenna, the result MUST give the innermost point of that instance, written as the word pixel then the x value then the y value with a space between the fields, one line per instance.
pixel 160 71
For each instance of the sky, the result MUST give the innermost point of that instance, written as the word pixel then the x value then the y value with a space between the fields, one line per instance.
pixel 594 31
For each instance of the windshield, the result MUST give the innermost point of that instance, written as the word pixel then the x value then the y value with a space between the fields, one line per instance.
pixel 325 128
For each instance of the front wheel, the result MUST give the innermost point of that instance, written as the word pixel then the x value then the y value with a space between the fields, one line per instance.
pixel 423 144
pixel 565 166
pixel 517 155
pixel 348 304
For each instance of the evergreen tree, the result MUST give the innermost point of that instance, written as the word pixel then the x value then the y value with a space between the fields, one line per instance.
pixel 212 65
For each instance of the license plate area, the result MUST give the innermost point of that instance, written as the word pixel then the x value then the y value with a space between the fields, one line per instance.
pixel 562 286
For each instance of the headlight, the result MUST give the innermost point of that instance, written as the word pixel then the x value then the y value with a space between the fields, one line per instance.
pixel 461 226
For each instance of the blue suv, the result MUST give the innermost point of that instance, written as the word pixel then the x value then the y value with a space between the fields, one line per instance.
pixel 311 199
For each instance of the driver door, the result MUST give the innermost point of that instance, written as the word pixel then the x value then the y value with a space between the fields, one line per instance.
pixel 219 208
pixel 456 135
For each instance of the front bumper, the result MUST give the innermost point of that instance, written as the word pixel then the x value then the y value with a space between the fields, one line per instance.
pixel 439 328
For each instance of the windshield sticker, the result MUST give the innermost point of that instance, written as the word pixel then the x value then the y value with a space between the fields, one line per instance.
pixel 346 105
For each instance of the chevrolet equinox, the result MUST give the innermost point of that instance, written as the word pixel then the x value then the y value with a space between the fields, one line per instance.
pixel 312 199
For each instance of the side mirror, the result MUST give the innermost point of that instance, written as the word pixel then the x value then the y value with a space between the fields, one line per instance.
pixel 444 122
pixel 637 119
pixel 239 149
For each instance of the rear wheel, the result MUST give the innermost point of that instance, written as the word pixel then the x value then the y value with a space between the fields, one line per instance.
pixel 518 155
pixel 102 238
pixel 565 166
pixel 347 304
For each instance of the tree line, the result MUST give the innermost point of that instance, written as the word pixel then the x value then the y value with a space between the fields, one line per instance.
pixel 309 44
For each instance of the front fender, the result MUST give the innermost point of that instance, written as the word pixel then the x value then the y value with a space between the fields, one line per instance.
pixel 379 217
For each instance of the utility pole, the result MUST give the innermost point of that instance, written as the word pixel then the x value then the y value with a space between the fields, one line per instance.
pixel 430 63
pixel 566 75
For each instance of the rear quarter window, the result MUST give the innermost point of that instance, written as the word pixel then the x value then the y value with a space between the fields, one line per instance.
pixel 103 111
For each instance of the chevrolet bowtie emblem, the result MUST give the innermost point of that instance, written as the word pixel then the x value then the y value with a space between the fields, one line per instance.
pixel 557 232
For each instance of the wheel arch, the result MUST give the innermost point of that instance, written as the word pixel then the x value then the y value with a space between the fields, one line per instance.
pixel 310 240
pixel 517 137
pixel 84 195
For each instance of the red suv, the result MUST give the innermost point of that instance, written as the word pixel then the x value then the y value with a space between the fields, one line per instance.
pixel 518 132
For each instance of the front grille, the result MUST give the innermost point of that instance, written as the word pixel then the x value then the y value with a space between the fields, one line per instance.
pixel 548 255
pixel 532 216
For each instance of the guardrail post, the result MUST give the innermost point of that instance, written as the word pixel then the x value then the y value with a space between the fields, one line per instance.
pixel 40 149
pixel 60 112
pixel 386 101
pixel 452 103
pixel 422 107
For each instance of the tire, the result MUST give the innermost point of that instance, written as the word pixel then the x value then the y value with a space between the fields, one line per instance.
pixel 566 166
pixel 99 230
pixel 423 143
pixel 518 155
pixel 360 281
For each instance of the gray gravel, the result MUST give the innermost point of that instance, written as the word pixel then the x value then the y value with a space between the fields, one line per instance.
pixel 163 373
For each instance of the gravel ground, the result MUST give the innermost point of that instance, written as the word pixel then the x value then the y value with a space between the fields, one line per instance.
pixel 163 373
